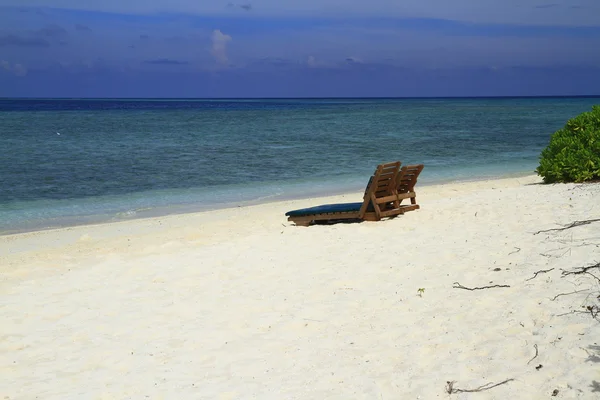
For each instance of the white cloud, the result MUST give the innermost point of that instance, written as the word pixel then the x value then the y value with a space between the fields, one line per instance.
pixel 17 69
pixel 219 46
pixel 311 61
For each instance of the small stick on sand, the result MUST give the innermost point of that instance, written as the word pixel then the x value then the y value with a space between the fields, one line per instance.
pixel 581 270
pixel 536 354
pixel 539 272
pixel 516 251
pixel 571 225
pixel 451 390
pixel 566 294
pixel 457 285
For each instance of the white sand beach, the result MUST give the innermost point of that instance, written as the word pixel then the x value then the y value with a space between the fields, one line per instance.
pixel 241 304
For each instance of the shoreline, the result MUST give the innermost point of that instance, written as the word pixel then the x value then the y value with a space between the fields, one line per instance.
pixel 172 227
pixel 185 209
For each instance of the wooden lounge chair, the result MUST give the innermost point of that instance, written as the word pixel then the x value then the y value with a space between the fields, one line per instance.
pixel 379 201
pixel 407 180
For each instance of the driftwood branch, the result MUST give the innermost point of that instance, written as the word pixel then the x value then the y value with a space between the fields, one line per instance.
pixel 450 389
pixel 569 226
pixel 457 285
pixel 539 272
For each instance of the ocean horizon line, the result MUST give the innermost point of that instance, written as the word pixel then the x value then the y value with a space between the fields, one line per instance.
pixel 310 98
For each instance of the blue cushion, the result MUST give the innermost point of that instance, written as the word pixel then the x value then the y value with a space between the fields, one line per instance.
pixel 326 208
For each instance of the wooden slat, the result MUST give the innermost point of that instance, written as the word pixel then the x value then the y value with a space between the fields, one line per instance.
pixel 406 195
pixel 387 199
pixel 410 208
pixel 391 213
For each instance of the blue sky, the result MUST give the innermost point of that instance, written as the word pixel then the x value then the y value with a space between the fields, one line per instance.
pixel 288 48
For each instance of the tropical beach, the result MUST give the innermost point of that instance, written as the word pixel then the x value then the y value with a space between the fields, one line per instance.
pixel 299 200
pixel 472 291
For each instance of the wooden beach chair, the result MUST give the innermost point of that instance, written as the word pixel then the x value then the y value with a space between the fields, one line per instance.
pixel 407 179
pixel 379 201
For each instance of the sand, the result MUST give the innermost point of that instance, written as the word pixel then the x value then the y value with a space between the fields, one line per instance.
pixel 242 304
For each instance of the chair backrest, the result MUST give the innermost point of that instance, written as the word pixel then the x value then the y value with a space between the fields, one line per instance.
pixel 407 178
pixel 381 187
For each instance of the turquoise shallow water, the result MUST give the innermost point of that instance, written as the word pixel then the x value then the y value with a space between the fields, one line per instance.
pixel 66 162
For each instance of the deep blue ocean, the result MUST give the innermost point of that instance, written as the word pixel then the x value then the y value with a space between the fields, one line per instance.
pixel 67 162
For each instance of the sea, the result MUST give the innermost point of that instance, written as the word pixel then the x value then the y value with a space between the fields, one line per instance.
pixel 66 162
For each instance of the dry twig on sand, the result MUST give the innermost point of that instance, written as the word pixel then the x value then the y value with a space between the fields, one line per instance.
pixel 536 354
pixel 583 270
pixel 566 294
pixel 593 309
pixel 539 272
pixel 571 225
pixel 518 249
pixel 457 285
pixel 450 389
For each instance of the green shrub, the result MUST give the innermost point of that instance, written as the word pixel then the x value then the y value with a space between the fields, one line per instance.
pixel 573 154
